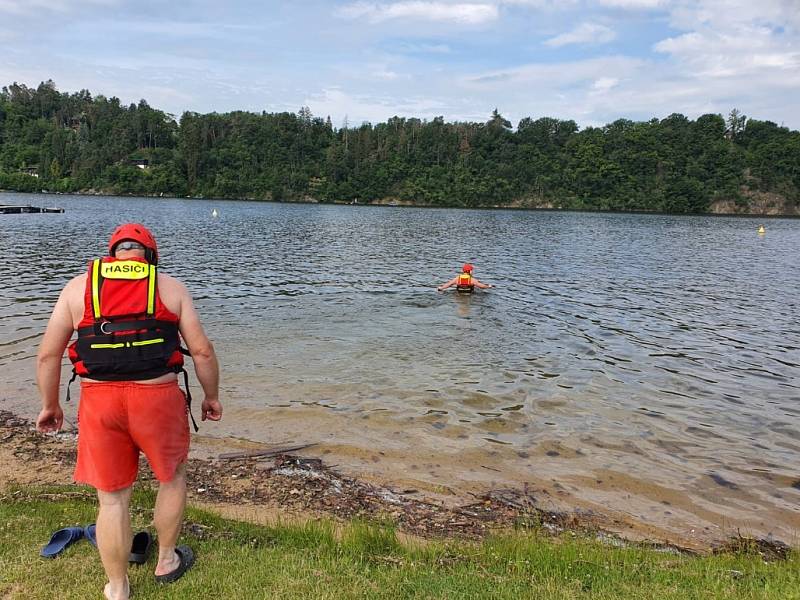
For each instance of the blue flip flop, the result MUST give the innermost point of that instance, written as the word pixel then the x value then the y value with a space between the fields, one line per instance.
pixel 90 533
pixel 61 540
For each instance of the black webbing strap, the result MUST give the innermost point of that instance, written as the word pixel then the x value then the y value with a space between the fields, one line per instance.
pixel 74 375
pixel 189 398
pixel 109 327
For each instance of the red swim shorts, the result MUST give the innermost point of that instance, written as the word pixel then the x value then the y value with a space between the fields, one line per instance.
pixel 117 419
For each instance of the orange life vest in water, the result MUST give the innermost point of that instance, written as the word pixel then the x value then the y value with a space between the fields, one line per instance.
pixel 464 283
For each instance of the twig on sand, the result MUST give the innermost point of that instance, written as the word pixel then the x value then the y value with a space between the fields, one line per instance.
pixel 263 453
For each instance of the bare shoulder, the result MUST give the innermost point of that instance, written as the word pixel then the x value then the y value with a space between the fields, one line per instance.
pixel 78 281
pixel 168 282
pixel 75 288
pixel 70 302
pixel 172 292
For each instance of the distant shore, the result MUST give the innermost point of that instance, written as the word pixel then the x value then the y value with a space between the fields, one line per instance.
pixel 767 205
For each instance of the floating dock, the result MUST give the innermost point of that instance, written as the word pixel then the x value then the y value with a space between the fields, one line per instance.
pixel 11 209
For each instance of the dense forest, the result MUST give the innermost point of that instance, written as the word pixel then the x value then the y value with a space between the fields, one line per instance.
pixel 72 142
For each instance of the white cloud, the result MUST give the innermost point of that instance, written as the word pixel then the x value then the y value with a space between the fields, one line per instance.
pixel 32 7
pixel 557 75
pixel 585 33
pixel 386 75
pixel 425 48
pixel 339 103
pixel 469 14
pixel 541 4
pixel 419 57
pixel 633 4
pixel 187 29
pixel 603 89
pixel 689 15
pixel 739 50
pixel 604 84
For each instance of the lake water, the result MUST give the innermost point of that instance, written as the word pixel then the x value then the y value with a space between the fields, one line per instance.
pixel 641 366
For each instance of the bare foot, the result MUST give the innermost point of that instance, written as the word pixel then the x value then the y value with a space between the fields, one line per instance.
pixel 169 564
pixel 121 593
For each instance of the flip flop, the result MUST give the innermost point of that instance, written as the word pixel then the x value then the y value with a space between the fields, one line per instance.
pixel 186 557
pixel 140 548
pixel 90 533
pixel 60 540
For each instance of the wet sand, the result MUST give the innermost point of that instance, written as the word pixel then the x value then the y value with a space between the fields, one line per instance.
pixel 576 473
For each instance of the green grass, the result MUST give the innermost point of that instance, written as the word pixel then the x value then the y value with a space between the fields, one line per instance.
pixel 320 560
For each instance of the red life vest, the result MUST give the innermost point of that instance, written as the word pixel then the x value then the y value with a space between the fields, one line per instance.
pixel 126 333
pixel 464 283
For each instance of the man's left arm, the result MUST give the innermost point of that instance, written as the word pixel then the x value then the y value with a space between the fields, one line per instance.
pixel 48 363
pixel 204 358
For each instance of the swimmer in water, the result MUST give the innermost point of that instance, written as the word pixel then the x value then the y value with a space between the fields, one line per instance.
pixel 465 283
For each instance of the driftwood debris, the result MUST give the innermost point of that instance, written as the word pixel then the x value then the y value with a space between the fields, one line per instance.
pixel 264 453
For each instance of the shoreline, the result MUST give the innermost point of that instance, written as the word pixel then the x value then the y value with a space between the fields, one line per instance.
pixel 290 486
pixel 718 209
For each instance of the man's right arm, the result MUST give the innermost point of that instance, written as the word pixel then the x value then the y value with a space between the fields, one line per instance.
pixel 444 286
pixel 48 360
pixel 203 356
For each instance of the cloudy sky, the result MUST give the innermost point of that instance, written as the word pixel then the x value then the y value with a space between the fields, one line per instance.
pixel 588 60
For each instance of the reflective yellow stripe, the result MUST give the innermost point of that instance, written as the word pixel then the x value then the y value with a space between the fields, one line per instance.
pixel 127 344
pixel 151 290
pixel 96 287
pixel 148 342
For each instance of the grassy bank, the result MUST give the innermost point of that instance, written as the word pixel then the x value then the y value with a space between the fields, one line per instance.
pixel 320 560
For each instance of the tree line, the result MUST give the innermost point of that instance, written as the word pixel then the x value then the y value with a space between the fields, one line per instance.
pixel 72 142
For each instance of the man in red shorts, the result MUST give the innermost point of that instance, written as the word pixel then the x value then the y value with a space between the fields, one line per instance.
pixel 130 319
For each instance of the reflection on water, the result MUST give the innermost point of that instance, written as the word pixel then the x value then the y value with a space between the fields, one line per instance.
pixel 659 352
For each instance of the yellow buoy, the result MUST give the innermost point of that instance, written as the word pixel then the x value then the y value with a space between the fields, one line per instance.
pixel 761 230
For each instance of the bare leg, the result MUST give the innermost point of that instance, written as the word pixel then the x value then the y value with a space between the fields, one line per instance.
pixel 114 540
pixel 126 591
pixel 168 518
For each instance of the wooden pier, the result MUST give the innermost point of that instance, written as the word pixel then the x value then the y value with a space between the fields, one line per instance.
pixel 11 209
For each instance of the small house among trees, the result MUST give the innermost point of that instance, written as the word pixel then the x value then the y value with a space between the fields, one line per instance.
pixel 142 163
pixel 32 171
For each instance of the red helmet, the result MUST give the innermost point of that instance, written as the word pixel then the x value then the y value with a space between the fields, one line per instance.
pixel 136 233
pixel 467 268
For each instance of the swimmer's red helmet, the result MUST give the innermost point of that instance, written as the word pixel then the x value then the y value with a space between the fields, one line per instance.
pixel 467 268
pixel 135 232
